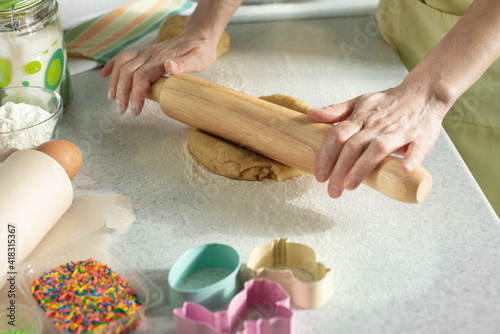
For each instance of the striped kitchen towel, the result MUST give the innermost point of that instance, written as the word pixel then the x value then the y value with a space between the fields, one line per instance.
pixel 125 28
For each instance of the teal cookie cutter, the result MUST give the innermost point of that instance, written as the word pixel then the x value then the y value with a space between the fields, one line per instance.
pixel 207 274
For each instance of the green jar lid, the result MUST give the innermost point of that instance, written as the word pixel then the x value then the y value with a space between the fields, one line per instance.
pixel 6 5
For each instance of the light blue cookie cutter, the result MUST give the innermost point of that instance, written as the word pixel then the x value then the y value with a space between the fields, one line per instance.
pixel 202 257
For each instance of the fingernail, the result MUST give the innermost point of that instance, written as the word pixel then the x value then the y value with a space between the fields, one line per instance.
pixel 134 109
pixel 334 192
pixel 111 94
pixel 351 183
pixel 409 164
pixel 119 107
pixel 321 176
pixel 173 66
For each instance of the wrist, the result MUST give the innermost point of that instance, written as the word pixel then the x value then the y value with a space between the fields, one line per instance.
pixel 210 18
pixel 433 87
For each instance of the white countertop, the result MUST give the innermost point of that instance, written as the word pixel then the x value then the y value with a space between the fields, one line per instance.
pixel 398 268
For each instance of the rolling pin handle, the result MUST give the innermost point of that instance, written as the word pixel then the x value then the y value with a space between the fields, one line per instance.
pixel 390 179
pixel 154 92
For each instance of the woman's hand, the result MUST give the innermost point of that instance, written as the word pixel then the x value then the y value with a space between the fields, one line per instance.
pixel 403 120
pixel 194 50
pixel 407 119
pixel 132 72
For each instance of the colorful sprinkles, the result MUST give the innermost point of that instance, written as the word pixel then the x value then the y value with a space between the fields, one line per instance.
pixel 87 296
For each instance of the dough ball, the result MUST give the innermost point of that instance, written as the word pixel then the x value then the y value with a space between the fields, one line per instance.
pixel 174 25
pixel 288 102
pixel 171 27
pixel 236 162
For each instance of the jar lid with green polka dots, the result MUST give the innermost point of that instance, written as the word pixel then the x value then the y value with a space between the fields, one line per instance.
pixel 6 6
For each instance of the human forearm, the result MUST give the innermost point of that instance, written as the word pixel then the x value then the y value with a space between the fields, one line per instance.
pixel 211 17
pixel 461 57
pixel 407 119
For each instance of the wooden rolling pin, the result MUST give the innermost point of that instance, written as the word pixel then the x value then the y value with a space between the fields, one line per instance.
pixel 271 130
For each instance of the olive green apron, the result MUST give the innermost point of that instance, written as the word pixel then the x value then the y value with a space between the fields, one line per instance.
pixel 413 28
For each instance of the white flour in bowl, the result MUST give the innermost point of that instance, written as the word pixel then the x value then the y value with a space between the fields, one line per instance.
pixel 15 116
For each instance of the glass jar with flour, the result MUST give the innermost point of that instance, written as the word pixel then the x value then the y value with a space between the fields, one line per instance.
pixel 32 49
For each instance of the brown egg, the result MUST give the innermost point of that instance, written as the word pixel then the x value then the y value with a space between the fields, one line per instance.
pixel 67 154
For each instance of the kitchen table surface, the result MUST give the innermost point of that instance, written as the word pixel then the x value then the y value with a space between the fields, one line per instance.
pixel 398 268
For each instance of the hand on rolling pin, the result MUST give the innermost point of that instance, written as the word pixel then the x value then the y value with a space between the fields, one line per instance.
pixel 133 72
pixel 402 120
pixel 195 49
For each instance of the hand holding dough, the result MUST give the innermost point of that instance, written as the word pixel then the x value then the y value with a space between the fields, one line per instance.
pixel 236 162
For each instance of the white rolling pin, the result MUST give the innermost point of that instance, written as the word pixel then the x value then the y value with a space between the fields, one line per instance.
pixel 271 130
pixel 35 192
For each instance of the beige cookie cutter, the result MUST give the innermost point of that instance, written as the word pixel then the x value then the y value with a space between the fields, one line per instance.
pixel 282 262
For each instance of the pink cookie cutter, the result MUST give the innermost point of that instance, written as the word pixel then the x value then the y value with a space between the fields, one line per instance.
pixel 294 267
pixel 262 307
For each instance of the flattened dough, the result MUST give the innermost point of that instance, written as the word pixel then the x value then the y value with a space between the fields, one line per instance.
pixel 174 25
pixel 235 162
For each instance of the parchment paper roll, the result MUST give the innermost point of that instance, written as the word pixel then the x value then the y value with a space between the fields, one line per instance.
pixel 88 215
pixel 35 192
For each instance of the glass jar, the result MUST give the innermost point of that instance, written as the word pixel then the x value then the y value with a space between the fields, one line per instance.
pixel 32 49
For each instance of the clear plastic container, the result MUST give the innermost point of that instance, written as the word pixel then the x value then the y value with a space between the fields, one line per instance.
pixel 148 293
pixel 32 136
pixel 26 320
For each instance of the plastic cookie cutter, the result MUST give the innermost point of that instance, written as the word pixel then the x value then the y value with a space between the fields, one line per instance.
pixel 294 267
pixel 207 274
pixel 263 307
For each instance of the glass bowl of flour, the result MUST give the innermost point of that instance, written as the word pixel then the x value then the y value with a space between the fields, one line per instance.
pixel 29 116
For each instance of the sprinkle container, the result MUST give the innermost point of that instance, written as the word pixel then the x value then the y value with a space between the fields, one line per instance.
pixel 32 48
pixel 26 320
pixel 147 292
